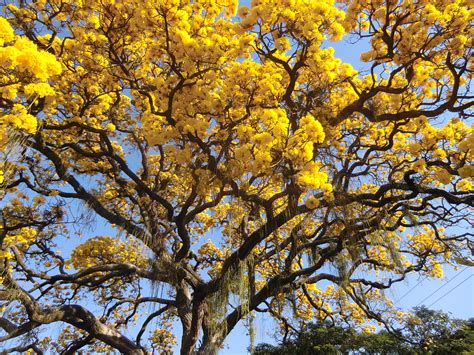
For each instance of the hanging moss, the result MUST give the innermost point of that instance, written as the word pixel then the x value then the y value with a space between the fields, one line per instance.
pixel 11 151
pixel 343 270
pixel 251 331
pixel 234 282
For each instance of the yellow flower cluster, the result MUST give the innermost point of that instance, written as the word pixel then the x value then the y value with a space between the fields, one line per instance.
pixel 24 56
pixel 163 340
pixel 20 239
pixel 301 143
pixel 312 177
pixel 420 20
pixel 426 240
pixel 104 250
pixel 212 255
pixel 436 270
pixel 21 119
pixel 23 69
pixel 6 32
pixel 310 18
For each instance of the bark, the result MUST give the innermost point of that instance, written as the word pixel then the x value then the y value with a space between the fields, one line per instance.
pixel 191 315
pixel 211 343
pixel 209 348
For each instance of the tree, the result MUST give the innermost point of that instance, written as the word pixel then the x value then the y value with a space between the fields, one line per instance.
pixel 325 338
pixel 423 332
pixel 172 122
pixel 437 333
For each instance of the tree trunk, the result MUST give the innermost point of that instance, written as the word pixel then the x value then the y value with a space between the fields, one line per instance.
pixel 210 348
pixel 191 319
pixel 211 341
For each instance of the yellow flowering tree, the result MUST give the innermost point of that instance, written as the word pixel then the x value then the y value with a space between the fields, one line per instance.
pixel 235 163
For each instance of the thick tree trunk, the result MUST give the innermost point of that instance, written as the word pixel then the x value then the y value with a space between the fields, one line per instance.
pixel 191 316
pixel 209 349
pixel 211 343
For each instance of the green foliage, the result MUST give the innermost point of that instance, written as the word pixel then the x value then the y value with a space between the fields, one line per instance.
pixel 425 332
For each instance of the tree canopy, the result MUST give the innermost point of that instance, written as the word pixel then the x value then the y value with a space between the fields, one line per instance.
pixel 237 165
pixel 425 332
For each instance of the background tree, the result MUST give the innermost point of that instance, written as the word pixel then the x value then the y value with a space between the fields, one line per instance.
pixel 170 122
pixel 424 332
pixel 325 338
pixel 437 333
